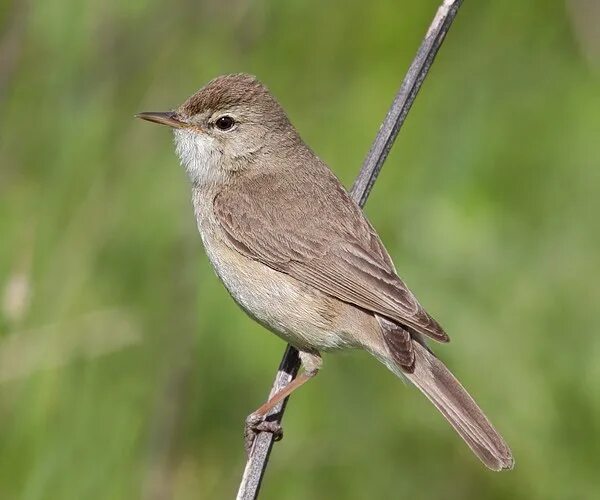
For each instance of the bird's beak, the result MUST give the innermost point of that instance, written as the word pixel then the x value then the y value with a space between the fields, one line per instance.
pixel 169 118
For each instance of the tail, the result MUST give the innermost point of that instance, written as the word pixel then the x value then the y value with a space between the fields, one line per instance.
pixel 434 380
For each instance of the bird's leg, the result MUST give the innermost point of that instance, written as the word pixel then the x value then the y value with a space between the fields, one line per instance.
pixel 256 422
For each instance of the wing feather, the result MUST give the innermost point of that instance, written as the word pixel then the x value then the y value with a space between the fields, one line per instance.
pixel 318 235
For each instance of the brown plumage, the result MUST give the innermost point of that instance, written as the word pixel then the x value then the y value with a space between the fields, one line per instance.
pixel 299 256
pixel 316 233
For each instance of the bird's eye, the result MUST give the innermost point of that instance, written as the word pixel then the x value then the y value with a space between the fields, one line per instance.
pixel 225 122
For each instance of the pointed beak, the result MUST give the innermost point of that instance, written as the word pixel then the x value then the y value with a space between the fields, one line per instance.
pixel 169 118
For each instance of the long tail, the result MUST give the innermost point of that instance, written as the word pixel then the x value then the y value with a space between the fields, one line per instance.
pixel 434 380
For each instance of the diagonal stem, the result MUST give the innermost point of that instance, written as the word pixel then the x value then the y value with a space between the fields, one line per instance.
pixel 288 368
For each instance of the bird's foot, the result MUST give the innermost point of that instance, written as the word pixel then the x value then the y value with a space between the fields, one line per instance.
pixel 256 423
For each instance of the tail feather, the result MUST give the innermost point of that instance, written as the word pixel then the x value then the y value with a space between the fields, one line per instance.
pixel 436 382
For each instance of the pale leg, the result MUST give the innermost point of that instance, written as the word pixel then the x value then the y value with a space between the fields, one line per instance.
pixel 311 363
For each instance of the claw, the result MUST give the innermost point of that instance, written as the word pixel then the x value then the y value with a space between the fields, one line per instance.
pixel 256 424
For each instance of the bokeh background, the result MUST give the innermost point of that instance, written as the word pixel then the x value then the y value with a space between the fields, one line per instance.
pixel 126 370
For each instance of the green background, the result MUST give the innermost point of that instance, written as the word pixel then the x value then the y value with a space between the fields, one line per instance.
pixel 126 370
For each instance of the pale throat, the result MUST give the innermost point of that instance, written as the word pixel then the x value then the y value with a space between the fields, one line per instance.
pixel 200 156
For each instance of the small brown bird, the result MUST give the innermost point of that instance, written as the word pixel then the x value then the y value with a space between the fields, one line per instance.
pixel 300 257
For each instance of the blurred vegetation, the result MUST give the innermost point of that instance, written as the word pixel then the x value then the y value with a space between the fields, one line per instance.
pixel 126 370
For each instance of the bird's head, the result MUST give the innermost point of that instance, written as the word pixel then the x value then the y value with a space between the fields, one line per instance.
pixel 225 127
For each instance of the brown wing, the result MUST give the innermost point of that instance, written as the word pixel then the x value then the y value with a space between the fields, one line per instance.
pixel 317 234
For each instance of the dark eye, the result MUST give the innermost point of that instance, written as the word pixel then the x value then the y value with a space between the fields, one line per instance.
pixel 225 122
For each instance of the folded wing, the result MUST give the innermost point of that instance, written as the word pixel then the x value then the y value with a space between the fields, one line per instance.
pixel 319 236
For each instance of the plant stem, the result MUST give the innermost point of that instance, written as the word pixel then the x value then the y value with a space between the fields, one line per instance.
pixel 290 364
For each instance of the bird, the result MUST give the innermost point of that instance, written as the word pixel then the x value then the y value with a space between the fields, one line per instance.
pixel 299 255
